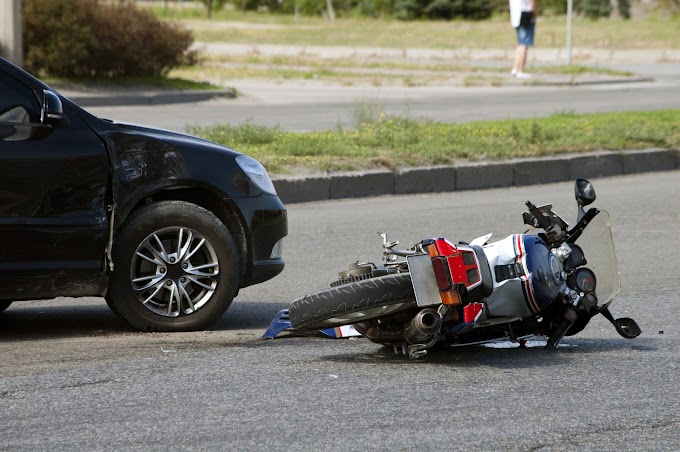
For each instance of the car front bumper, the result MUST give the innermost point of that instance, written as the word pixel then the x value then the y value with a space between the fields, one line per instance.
pixel 267 224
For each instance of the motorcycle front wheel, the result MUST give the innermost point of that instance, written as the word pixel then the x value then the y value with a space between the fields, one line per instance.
pixel 353 302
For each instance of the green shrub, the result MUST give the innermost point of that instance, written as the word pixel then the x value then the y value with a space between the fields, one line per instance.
pixel 369 8
pixel 443 9
pixel 624 8
pixel 213 5
pixel 305 7
pixel 83 38
pixel 593 9
pixel 401 9
pixel 57 37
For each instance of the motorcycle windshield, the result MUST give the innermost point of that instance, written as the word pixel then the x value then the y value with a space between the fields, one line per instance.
pixel 598 247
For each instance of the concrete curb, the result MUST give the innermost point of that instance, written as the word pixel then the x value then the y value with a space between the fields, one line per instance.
pixel 475 176
pixel 113 99
pixel 603 81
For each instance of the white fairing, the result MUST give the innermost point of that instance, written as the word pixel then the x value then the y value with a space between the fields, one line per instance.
pixel 481 241
pixel 507 299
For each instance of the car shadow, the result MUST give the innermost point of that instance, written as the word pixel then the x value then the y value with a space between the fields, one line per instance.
pixel 70 318
pixel 249 315
pixel 33 322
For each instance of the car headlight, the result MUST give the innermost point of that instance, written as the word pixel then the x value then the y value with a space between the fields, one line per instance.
pixel 257 173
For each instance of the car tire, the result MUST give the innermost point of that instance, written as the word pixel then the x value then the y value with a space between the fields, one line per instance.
pixel 4 305
pixel 176 268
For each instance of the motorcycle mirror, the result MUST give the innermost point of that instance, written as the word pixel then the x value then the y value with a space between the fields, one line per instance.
pixel 627 328
pixel 585 194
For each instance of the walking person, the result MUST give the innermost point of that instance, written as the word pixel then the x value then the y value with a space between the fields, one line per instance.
pixel 523 19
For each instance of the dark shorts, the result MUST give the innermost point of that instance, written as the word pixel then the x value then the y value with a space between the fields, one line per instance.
pixel 525 35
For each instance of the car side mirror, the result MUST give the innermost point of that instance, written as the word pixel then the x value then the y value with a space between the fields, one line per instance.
pixel 51 112
pixel 585 195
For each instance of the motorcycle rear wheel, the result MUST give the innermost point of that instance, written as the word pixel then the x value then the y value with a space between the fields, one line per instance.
pixel 353 302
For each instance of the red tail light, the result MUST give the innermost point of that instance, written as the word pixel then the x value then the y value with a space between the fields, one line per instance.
pixel 454 265
pixel 442 273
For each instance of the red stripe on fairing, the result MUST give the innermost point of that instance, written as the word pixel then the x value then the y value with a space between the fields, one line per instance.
pixel 521 254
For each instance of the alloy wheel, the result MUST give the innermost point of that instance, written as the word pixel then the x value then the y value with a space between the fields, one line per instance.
pixel 174 271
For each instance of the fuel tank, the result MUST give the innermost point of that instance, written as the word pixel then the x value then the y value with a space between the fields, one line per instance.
pixel 527 278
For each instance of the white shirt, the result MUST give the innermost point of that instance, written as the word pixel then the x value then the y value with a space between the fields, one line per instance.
pixel 516 8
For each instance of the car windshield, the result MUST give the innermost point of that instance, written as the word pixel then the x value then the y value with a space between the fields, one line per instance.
pixel 598 247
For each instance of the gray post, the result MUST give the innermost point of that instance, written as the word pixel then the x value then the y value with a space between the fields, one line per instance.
pixel 570 13
pixel 11 45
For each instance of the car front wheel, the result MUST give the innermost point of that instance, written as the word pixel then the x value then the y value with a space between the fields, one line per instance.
pixel 176 268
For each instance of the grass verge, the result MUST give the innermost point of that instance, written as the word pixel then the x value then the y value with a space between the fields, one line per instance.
pixel 348 73
pixel 651 32
pixel 396 141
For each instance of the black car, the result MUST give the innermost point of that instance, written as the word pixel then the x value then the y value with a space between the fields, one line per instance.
pixel 166 226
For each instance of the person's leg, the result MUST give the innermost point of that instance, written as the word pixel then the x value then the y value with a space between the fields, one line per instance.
pixel 520 59
pixel 525 38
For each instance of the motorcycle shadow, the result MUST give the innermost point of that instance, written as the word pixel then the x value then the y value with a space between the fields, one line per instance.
pixel 504 355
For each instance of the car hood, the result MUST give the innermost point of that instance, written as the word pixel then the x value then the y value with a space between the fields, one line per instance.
pixel 178 139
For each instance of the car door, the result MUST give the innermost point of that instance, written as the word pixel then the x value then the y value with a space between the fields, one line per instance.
pixel 53 209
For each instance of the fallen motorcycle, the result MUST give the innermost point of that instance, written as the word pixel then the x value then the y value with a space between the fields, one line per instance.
pixel 549 281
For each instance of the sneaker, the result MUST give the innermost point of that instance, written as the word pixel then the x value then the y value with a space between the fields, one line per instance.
pixel 513 72
pixel 524 75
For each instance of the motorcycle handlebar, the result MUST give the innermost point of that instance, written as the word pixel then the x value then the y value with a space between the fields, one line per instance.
pixel 543 221
pixel 404 253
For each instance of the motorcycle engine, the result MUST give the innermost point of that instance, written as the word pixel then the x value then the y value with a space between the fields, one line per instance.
pixel 358 271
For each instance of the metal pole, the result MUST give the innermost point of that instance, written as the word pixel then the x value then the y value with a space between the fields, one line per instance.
pixel 570 13
pixel 11 44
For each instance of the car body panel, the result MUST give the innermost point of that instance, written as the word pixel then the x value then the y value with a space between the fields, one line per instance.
pixel 145 160
pixel 53 214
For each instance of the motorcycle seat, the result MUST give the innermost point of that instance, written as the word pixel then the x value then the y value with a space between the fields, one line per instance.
pixel 486 288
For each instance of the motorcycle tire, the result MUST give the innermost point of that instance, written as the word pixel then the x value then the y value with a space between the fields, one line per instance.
pixel 353 302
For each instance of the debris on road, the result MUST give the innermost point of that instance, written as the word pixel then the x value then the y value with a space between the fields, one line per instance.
pixel 281 323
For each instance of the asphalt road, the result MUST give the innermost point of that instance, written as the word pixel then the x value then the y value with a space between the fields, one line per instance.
pixel 73 378
pixel 316 106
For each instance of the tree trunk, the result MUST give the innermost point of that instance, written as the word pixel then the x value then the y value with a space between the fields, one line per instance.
pixel 331 11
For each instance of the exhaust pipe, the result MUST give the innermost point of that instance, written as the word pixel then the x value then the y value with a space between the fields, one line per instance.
pixel 388 336
pixel 424 326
